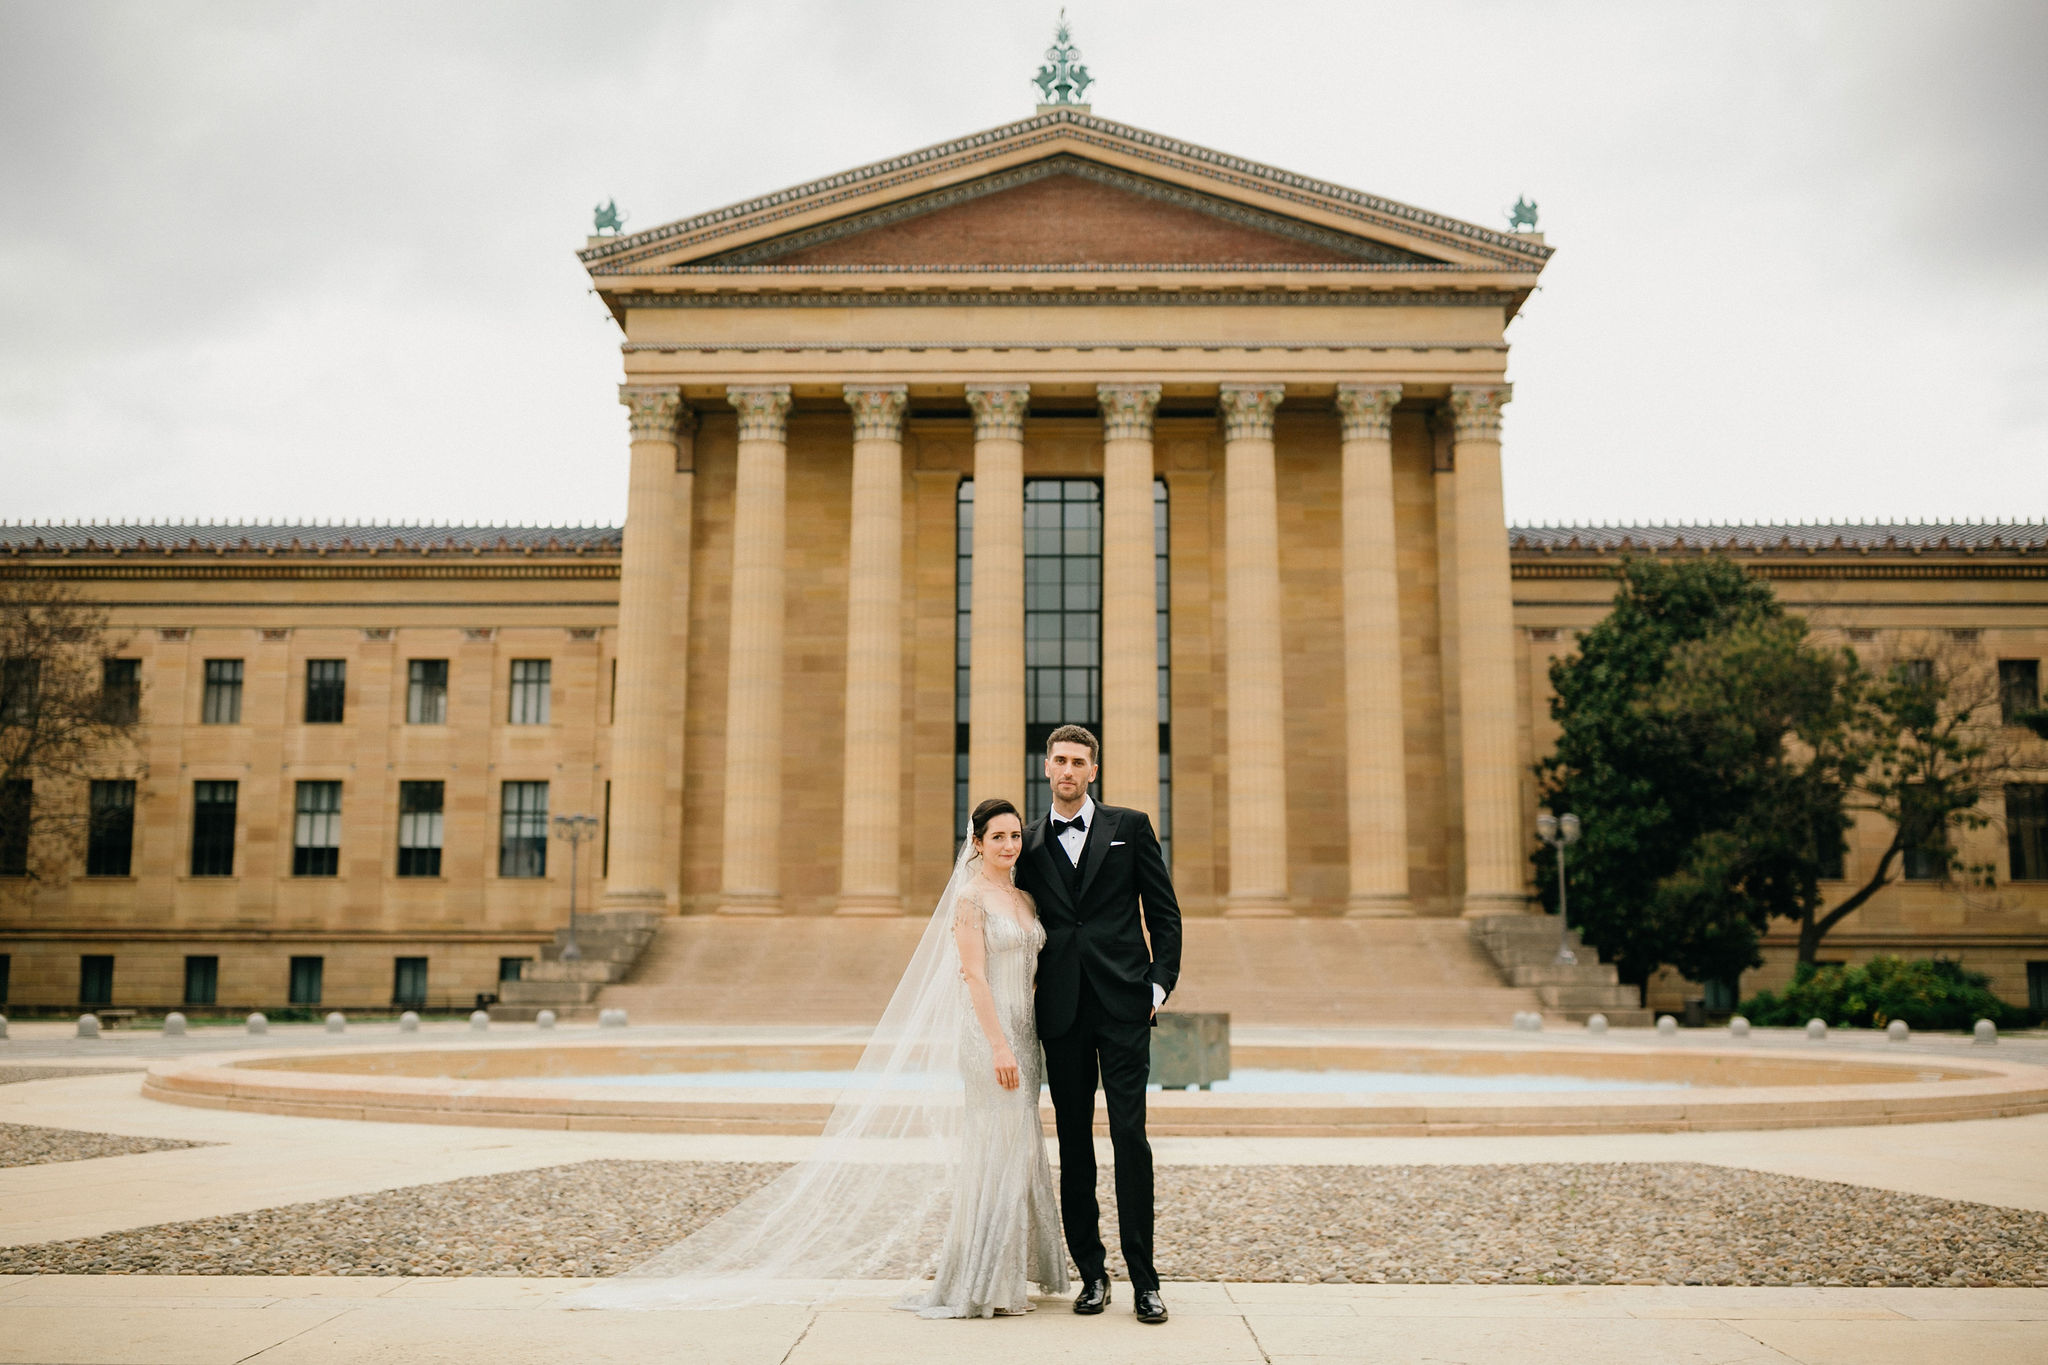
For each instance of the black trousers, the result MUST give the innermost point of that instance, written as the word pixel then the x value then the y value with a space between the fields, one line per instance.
pixel 1120 1054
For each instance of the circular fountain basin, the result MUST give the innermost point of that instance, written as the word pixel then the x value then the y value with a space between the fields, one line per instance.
pixel 1441 1088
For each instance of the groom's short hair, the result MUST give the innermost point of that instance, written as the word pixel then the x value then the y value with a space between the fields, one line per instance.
pixel 1074 734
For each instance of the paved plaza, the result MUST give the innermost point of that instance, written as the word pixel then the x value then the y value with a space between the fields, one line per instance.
pixel 243 1164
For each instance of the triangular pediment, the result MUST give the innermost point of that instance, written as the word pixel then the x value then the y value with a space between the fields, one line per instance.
pixel 1066 211
pixel 1064 189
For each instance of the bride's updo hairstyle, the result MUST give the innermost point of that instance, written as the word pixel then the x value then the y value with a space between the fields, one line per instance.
pixel 987 811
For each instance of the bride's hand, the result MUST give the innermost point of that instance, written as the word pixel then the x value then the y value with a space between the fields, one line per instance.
pixel 1006 1068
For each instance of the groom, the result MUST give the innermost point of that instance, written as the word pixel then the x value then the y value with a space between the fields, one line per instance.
pixel 1095 871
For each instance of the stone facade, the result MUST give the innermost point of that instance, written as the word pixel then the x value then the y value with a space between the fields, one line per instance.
pixel 764 676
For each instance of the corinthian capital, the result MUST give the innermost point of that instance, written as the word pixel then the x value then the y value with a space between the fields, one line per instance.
pixel 763 409
pixel 1127 410
pixel 877 410
pixel 1475 410
pixel 655 412
pixel 998 410
pixel 1248 410
pixel 1368 410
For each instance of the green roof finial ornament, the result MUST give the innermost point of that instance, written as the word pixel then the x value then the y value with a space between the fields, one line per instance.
pixel 1522 217
pixel 1062 81
pixel 609 219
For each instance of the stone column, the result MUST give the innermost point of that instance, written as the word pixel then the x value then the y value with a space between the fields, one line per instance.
pixel 869 842
pixel 1257 739
pixel 995 688
pixel 751 880
pixel 641 712
pixel 1495 861
pixel 1376 775
pixel 1130 632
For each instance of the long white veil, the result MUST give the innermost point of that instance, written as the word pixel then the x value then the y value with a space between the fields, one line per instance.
pixel 871 1201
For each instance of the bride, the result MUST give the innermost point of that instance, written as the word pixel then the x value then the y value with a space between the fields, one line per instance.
pixel 932 1166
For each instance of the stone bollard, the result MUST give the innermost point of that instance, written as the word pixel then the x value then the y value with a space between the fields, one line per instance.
pixel 1667 1026
pixel 408 1022
pixel 1738 1027
pixel 545 1019
pixel 1597 1024
pixel 1521 1024
pixel 1985 1034
pixel 3 1026
pixel 88 1026
pixel 479 1020
pixel 611 1018
pixel 1816 1030
pixel 337 1022
pixel 1897 1031
pixel 256 1023
pixel 174 1025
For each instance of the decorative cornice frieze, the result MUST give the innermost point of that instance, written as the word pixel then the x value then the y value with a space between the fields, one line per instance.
pixel 1127 410
pixel 1368 410
pixel 1076 298
pixel 656 412
pixel 763 410
pixel 1248 410
pixel 1116 138
pixel 1222 209
pixel 1088 344
pixel 998 410
pixel 311 569
pixel 1069 268
pixel 1475 410
pixel 877 410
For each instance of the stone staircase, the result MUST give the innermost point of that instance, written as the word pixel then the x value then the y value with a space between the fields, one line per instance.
pixel 610 945
pixel 1524 948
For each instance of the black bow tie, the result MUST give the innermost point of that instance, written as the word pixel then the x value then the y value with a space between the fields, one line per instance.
pixel 1060 826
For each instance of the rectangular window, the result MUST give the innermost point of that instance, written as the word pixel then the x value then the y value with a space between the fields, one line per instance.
pixel 326 690
pixel 1915 672
pixel 305 984
pixel 222 704
pixel 512 968
pixel 202 980
pixel 20 690
pixel 1162 614
pixel 530 691
pixel 6 970
pixel 2026 831
pixel 316 830
pixel 426 692
pixel 1926 849
pixel 523 830
pixel 2037 987
pixel 110 834
pixel 409 982
pixel 96 979
pixel 604 867
pixel 963 630
pixel 121 691
pixel 17 802
pixel 213 828
pixel 2019 688
pixel 1062 622
pixel 419 829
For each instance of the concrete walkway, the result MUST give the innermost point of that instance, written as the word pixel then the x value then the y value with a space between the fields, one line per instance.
pixel 266 1160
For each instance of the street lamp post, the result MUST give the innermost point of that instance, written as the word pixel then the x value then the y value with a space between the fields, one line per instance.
pixel 575 829
pixel 1560 833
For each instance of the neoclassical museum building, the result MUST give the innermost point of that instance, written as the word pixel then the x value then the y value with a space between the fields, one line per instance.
pixel 1062 421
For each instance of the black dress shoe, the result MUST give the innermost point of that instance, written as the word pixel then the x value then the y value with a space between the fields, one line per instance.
pixel 1094 1296
pixel 1150 1307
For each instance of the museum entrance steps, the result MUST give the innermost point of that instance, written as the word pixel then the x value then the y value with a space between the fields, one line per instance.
pixel 1384 973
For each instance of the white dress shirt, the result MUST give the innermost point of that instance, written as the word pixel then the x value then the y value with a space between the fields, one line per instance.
pixel 1072 841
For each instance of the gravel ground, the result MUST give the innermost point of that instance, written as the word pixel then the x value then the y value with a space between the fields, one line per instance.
pixel 1533 1224
pixel 11 1074
pixel 22 1145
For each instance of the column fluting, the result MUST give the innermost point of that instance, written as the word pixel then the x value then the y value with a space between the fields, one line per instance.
pixel 1375 767
pixel 1256 752
pixel 1495 865
pixel 1130 641
pixel 640 878
pixel 869 880
pixel 751 880
pixel 995 688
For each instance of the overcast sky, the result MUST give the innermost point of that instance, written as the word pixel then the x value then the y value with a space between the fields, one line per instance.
pixel 274 260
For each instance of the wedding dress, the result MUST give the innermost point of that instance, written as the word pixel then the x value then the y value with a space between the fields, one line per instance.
pixel 927 1170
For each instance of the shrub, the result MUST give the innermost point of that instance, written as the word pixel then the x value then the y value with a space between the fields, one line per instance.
pixel 1927 993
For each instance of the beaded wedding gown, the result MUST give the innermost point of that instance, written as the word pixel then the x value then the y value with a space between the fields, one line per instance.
pixel 1004 1230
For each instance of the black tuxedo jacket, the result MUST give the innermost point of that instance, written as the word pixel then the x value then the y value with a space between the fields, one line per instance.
pixel 1097 931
